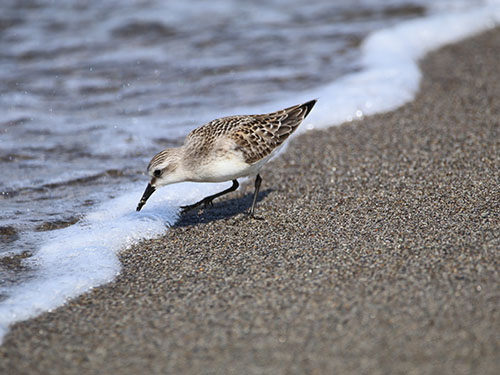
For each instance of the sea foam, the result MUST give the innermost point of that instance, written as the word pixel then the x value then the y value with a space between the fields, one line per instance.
pixel 73 260
pixel 390 76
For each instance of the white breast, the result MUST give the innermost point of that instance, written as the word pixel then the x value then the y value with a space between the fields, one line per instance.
pixel 227 163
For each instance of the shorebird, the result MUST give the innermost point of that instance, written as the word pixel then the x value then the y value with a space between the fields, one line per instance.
pixel 225 149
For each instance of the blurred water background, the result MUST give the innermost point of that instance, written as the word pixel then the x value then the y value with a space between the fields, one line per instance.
pixel 91 90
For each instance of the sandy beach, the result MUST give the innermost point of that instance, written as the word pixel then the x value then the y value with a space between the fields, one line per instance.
pixel 378 254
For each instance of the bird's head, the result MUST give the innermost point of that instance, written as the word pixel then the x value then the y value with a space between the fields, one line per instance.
pixel 164 169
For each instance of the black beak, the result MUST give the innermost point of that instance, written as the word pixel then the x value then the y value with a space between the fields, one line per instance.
pixel 147 193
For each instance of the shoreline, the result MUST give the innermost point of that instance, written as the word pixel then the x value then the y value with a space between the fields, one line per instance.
pixel 378 254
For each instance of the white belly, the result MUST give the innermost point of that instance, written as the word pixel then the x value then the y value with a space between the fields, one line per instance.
pixel 225 170
pixel 228 167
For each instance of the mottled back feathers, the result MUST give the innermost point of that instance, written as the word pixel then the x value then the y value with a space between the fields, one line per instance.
pixel 256 136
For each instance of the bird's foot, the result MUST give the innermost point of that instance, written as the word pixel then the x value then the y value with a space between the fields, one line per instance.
pixel 253 217
pixel 206 202
pixel 246 217
pixel 185 209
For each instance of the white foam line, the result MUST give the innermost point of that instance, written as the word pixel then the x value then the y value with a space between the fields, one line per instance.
pixel 390 76
pixel 85 255
pixel 76 259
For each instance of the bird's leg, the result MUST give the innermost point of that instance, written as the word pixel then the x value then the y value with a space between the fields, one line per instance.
pixel 207 201
pixel 258 180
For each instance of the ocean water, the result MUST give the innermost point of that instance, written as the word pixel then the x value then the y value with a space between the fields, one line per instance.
pixel 90 91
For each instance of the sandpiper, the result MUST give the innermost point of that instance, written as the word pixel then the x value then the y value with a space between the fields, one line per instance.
pixel 225 149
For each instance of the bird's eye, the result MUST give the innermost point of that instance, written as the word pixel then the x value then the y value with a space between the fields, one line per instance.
pixel 157 173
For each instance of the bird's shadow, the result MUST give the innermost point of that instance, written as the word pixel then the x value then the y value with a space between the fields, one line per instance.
pixel 221 210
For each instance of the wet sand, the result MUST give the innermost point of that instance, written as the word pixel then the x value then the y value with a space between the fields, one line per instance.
pixel 378 253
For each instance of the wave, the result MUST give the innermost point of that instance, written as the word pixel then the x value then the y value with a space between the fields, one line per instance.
pixel 75 259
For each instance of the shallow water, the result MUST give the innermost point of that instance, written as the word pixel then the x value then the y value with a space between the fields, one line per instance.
pixel 90 92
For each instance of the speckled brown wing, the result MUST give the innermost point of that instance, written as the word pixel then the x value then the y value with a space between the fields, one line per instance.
pixel 257 136
pixel 202 140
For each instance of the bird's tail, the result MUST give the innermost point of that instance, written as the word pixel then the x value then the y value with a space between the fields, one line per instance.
pixel 307 107
pixel 296 114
